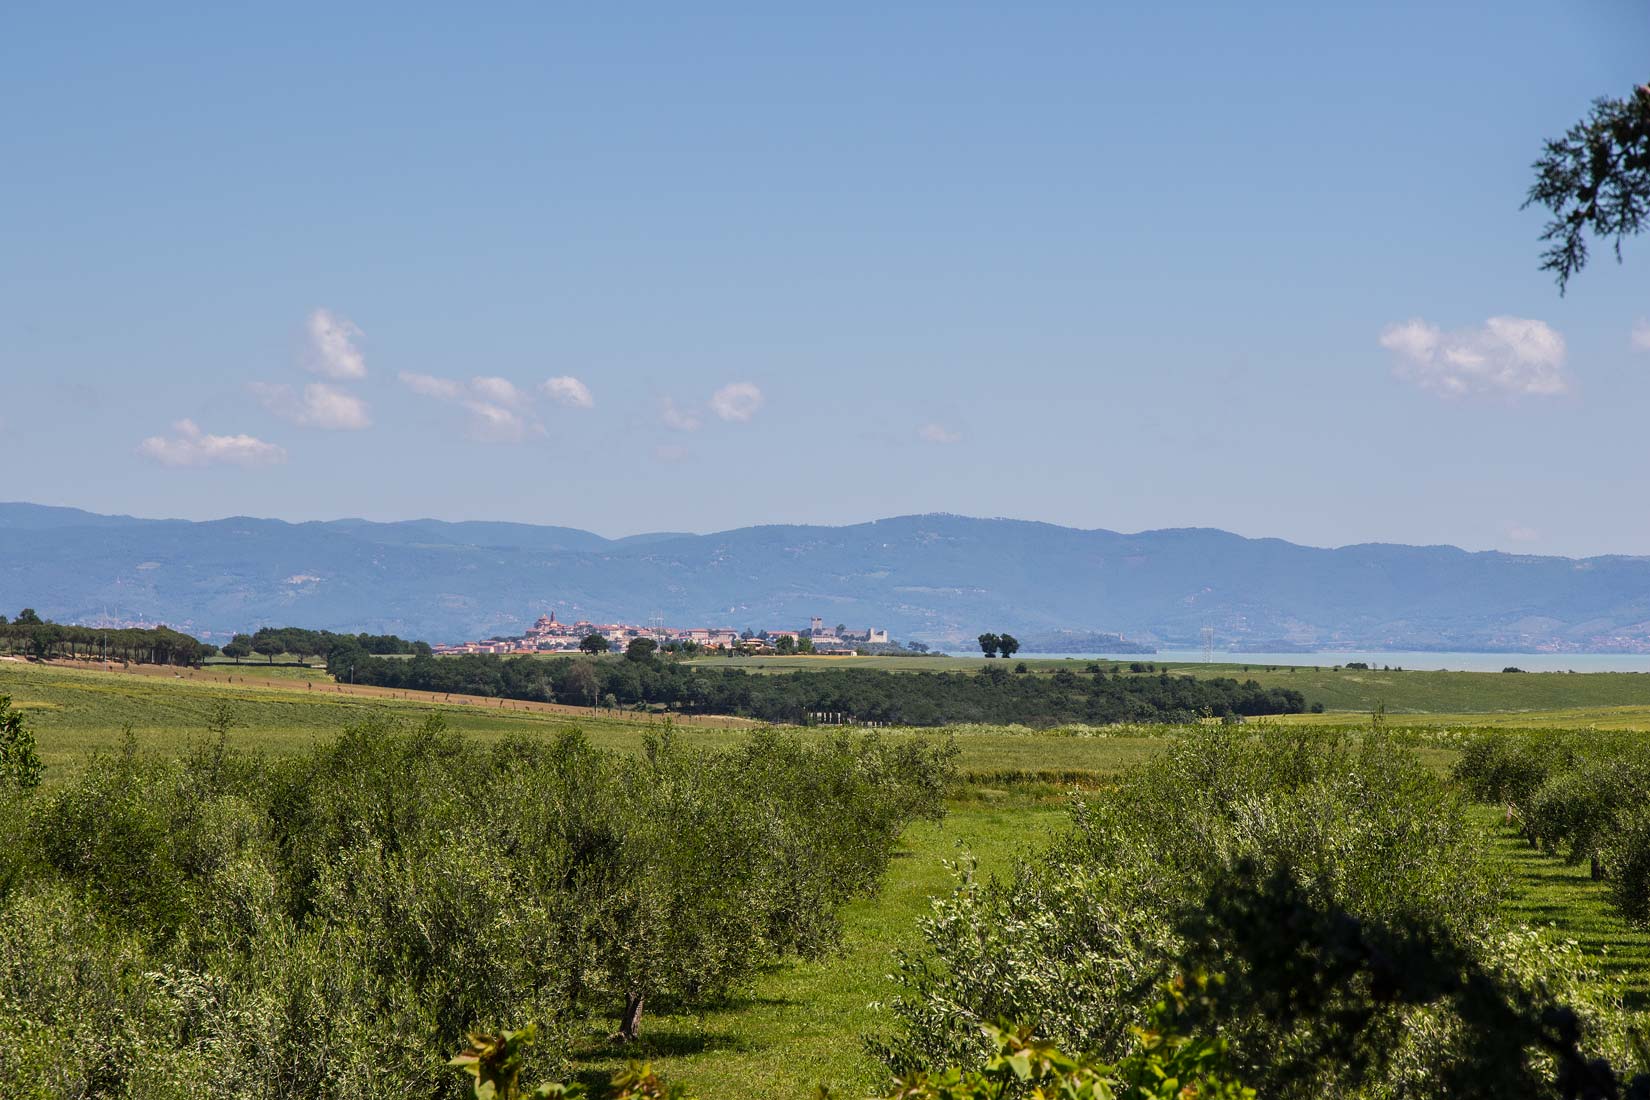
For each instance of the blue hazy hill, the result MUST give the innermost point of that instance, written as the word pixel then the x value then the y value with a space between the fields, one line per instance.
pixel 935 577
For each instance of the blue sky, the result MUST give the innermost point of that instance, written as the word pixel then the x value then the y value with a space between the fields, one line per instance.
pixel 1259 267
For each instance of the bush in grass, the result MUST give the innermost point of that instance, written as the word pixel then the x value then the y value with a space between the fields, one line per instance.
pixel 1576 812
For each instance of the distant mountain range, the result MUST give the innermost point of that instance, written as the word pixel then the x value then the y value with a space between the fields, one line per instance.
pixel 938 578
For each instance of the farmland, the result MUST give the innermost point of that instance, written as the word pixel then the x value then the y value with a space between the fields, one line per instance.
pixel 799 1022
pixel 1348 691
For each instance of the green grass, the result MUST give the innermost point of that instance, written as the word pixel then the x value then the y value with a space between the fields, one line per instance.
pixel 802 1023
pixel 1572 718
pixel 286 668
pixel 76 712
pixel 1546 695
pixel 1548 893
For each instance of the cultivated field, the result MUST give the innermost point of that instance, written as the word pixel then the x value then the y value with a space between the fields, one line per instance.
pixel 799 1024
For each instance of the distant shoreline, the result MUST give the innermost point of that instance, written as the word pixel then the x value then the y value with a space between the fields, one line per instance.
pixel 1409 659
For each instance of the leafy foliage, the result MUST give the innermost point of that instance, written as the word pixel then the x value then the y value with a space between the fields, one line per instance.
pixel 20 765
pixel 1167 1062
pixel 332 924
pixel 29 634
pixel 1595 179
pixel 1579 794
pixel 1359 846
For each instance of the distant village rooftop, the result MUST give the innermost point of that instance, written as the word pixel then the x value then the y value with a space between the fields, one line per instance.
pixel 548 635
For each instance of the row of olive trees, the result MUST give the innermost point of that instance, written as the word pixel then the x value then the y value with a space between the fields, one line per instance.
pixel 1584 796
pixel 1341 888
pixel 334 924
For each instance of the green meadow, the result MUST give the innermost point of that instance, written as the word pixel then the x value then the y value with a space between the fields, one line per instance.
pixel 1558 695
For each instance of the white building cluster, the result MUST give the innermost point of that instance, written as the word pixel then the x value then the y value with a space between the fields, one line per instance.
pixel 546 635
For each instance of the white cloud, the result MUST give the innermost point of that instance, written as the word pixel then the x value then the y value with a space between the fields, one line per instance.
pixel 569 391
pixel 938 433
pixel 319 406
pixel 1518 532
pixel 332 349
pixel 490 423
pixel 444 389
pixel 1506 356
pixel 736 401
pixel 674 416
pixel 498 391
pixel 1641 335
pixel 189 446
pixel 496 407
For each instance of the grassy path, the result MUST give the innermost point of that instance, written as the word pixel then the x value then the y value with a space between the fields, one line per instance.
pixel 802 1024
pixel 1548 893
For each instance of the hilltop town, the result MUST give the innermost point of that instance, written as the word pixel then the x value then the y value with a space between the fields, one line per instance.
pixel 546 635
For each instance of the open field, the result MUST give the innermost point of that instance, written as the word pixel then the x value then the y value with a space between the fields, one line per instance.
pixel 78 711
pixel 799 1023
pixel 1598 718
pixel 1352 691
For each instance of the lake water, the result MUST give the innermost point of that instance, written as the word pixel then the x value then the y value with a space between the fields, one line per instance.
pixel 1454 662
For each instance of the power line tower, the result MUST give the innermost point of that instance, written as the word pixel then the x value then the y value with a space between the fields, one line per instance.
pixel 1208 645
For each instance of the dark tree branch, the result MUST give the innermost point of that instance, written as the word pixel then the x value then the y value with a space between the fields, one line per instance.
pixel 1595 180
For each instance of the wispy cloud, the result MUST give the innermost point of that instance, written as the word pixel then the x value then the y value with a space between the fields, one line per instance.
pixel 1518 532
pixel 318 406
pixel 189 446
pixel 671 452
pixel 1641 335
pixel 497 410
pixel 569 391
pixel 499 391
pixel 444 389
pixel 938 434
pixel 330 348
pixel 1506 356
pixel 672 415
pixel 737 401
pixel 491 423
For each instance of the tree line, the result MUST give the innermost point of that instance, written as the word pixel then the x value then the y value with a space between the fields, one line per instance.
pixel 30 635
pixel 270 642
pixel 993 695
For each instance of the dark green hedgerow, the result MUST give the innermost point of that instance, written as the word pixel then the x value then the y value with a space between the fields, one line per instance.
pixel 865 695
